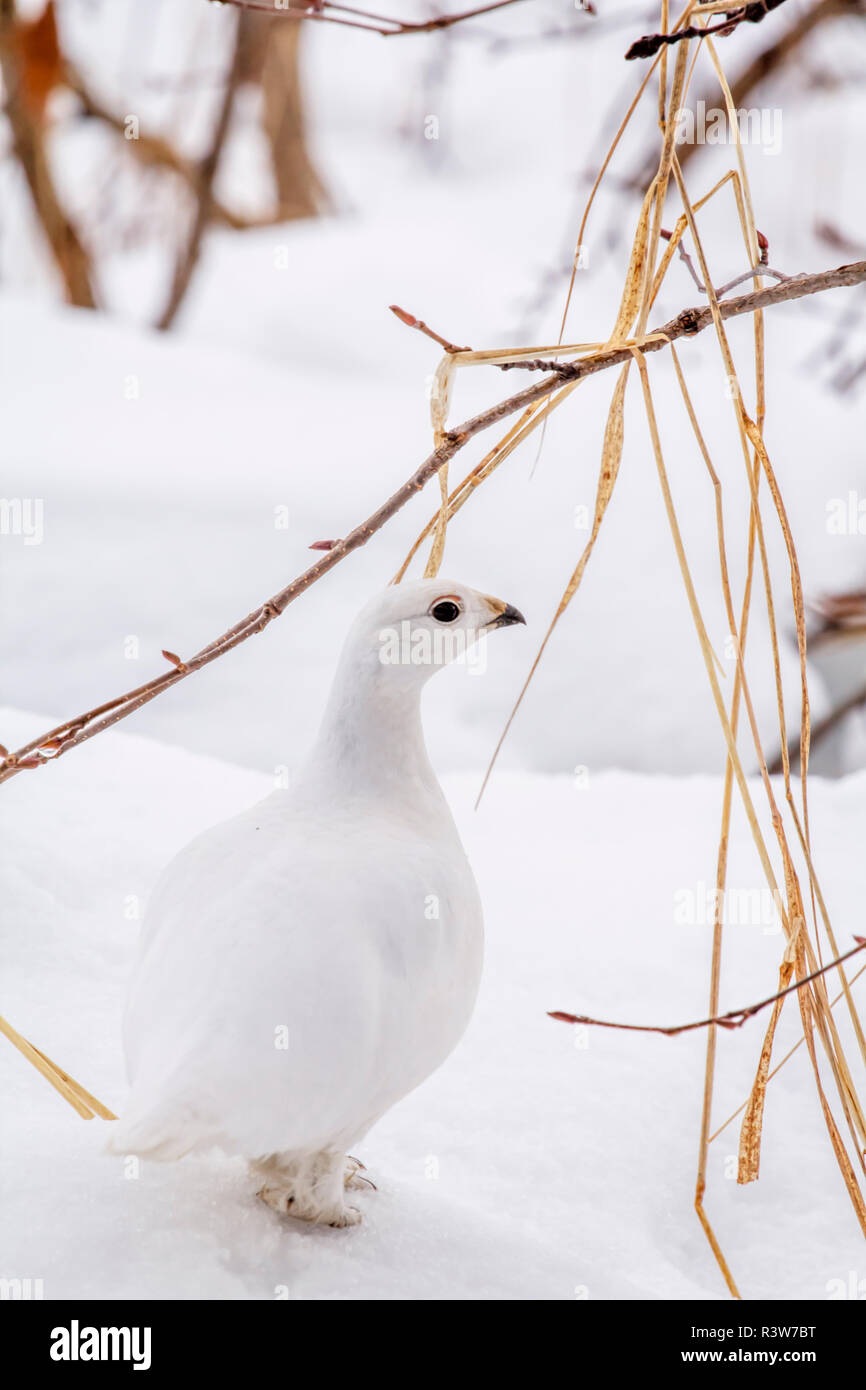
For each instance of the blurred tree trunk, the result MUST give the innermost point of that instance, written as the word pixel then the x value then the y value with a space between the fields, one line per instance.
pixel 271 45
pixel 31 65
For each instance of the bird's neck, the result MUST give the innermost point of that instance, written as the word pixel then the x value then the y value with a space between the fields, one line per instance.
pixel 371 742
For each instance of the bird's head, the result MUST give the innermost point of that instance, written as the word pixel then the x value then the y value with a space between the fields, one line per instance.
pixel 414 629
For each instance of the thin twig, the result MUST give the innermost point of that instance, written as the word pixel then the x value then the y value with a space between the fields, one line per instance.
pixel 411 322
pixel 379 24
pixel 762 268
pixel 206 173
pixel 153 151
pixel 73 732
pixel 691 321
pixel 649 45
pixel 735 1018
pixel 778 1067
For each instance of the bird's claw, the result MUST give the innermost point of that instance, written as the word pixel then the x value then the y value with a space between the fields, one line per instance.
pixel 352 1176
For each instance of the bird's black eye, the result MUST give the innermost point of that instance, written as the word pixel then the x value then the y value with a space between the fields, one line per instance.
pixel 445 610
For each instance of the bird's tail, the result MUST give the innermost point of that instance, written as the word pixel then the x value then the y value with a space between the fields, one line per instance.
pixel 160 1131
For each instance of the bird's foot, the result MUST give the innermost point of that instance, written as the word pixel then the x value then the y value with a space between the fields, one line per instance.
pixel 279 1199
pixel 282 1199
pixel 353 1176
pixel 346 1216
pixel 310 1186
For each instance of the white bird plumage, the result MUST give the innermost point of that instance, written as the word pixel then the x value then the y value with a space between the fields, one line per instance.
pixel 309 962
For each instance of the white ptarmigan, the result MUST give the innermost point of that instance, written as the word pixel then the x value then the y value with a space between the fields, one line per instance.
pixel 309 962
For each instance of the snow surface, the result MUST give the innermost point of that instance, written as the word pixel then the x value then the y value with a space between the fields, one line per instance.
pixel 162 464
pixel 539 1163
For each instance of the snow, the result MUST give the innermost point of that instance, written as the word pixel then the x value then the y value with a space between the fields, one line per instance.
pixel 199 494
pixel 290 395
pixel 539 1162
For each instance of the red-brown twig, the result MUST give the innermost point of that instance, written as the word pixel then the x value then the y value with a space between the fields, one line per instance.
pixel 688 323
pixel 762 268
pixel 734 1019
pixel 411 322
pixel 378 23
pixel 649 45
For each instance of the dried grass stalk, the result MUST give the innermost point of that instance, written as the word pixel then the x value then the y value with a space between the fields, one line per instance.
pixel 71 1090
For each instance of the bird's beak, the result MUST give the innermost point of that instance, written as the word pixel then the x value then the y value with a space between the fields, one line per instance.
pixel 504 614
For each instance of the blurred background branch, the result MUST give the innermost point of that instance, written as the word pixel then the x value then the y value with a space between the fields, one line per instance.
pixel 349 17
pixel 264 56
pixel 31 65
pixel 203 180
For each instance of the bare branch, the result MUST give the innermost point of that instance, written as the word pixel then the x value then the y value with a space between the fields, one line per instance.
pixel 411 322
pixel 153 150
pixel 205 175
pixel 649 45
pixel 734 1019
pixel 762 268
pixel 378 23
pixel 688 323
pixel 691 321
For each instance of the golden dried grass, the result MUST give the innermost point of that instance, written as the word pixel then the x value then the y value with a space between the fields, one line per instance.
pixel 71 1090
pixel 648 265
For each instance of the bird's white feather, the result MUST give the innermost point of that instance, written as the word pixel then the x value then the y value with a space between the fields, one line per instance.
pixel 306 964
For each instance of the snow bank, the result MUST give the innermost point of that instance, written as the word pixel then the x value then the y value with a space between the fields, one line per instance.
pixel 540 1162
